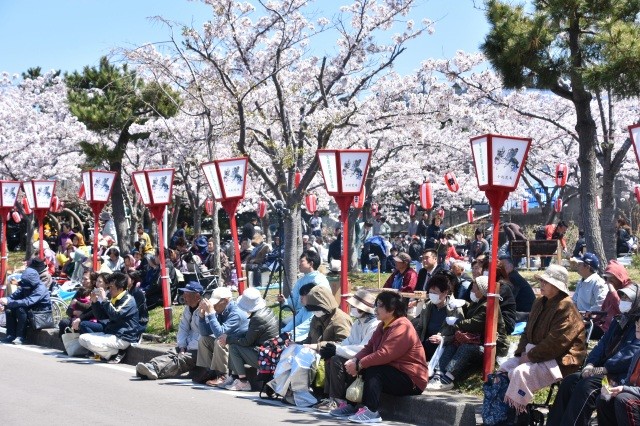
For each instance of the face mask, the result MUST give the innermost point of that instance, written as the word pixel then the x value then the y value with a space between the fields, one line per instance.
pixel 318 314
pixel 625 306
pixel 355 313
pixel 473 297
pixel 434 298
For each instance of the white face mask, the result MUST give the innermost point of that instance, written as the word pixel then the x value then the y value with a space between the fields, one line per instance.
pixel 473 297
pixel 355 313
pixel 625 306
pixel 318 314
pixel 434 298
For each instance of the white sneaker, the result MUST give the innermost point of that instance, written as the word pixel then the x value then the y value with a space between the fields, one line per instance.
pixel 437 384
pixel 239 385
pixel 147 370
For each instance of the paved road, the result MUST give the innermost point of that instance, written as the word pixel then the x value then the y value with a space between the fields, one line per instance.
pixel 43 386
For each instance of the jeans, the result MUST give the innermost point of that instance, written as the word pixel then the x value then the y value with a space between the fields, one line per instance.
pixel 459 359
pixel 90 327
pixel 387 379
pixel 16 322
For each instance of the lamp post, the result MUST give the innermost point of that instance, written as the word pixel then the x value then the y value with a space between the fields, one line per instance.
pixel 97 185
pixel 39 194
pixel 9 190
pixel 155 188
pixel 344 172
pixel 227 179
pixel 498 161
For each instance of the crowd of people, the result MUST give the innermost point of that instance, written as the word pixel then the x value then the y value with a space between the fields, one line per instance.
pixel 425 331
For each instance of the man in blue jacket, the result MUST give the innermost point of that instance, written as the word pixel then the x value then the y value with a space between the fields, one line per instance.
pixel 220 318
pixel 119 314
pixel 32 295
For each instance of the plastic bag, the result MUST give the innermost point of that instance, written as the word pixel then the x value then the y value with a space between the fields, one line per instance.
pixel 435 359
pixel 71 342
pixel 355 390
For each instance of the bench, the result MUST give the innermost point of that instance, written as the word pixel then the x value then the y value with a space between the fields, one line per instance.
pixel 536 248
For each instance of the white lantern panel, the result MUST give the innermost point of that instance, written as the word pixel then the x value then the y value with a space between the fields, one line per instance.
pixel 43 193
pixel 102 184
pixel 10 193
pixel 140 181
pixel 479 147
pixel 635 133
pixel 507 155
pixel 210 173
pixel 353 167
pixel 161 182
pixel 233 176
pixel 86 180
pixel 329 170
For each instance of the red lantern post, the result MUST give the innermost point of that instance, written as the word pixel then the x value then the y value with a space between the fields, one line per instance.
pixel 97 186
pixel 155 188
pixel 39 194
pixel 227 179
pixel 344 172
pixel 9 193
pixel 497 175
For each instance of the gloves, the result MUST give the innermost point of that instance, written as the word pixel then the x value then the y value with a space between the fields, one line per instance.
pixel 327 351
pixel 599 371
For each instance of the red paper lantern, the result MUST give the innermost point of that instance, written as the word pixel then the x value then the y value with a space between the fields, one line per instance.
pixel 262 208
pixel 441 213
pixel 470 215
pixel 15 216
pixel 558 205
pixel 413 209
pixel 208 206
pixel 311 201
pixel 25 206
pixel 374 209
pixel 562 172
pixel 597 202
pixel 81 192
pixel 637 192
pixel 426 196
pixel 358 200
pixel 525 206
pixel 297 178
pixel 451 181
pixel 55 204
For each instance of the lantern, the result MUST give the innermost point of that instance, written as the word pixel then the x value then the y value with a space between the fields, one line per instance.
pixel 637 192
pixel 597 202
pixel 525 206
pixel 55 204
pixel 451 181
pixel 311 201
pixel 297 178
pixel 558 205
pixel 562 172
pixel 426 196
pixel 470 215
pixel 413 209
pixel 358 200
pixel 262 208
pixel 25 206
pixel 81 191
pixel 208 206
pixel 441 213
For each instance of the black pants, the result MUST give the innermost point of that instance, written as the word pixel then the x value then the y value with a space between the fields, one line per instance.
pixel 387 379
pixel 337 380
pixel 16 322
pixel 623 410
pixel 575 401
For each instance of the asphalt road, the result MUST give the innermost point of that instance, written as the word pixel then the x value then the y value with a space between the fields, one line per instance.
pixel 44 386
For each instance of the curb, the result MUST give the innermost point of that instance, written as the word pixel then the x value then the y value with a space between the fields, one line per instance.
pixel 432 408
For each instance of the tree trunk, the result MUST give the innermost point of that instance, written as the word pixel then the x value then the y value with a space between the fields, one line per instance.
pixel 119 212
pixel 608 213
pixel 291 249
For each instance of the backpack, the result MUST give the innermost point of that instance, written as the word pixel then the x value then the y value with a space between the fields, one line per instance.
pixel 541 234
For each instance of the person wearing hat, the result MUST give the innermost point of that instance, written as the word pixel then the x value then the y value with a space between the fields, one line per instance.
pixel 182 358
pixel 576 398
pixel 243 349
pixel 404 278
pixel 32 295
pixel 468 337
pixel 108 227
pixel 616 277
pixel 591 289
pixel 553 343
pixel 220 318
pixel 335 355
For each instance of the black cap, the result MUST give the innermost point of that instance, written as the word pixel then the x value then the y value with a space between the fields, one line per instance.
pixel 38 264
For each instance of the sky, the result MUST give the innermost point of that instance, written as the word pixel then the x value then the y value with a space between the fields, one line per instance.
pixel 70 34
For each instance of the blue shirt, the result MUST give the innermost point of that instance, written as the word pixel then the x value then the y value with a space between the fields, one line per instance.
pixel 302 317
pixel 232 321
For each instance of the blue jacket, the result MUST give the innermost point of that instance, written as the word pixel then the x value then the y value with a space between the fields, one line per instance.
pixel 618 363
pixel 233 322
pixel 122 317
pixel 32 293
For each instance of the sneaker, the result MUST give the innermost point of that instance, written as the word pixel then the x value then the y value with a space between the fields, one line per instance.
pixel 18 341
pixel 365 416
pixel 117 359
pixel 239 385
pixel 147 370
pixel 228 381
pixel 344 409
pixel 440 383
pixel 326 405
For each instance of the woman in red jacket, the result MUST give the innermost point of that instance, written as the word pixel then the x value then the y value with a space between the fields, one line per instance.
pixel 392 362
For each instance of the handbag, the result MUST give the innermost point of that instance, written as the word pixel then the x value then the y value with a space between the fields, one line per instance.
pixel 494 409
pixel 71 342
pixel 355 390
pixel 318 381
pixel 466 338
pixel 41 319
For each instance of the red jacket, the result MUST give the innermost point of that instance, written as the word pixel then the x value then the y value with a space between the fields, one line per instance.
pixel 399 346
pixel 409 280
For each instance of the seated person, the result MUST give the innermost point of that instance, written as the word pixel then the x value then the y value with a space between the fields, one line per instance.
pixel 467 350
pixel 404 278
pixel 616 278
pixel 257 258
pixel 522 290
pixel 112 260
pixel 591 288
pixel 392 361
pixel 621 404
pixel 335 355
pixel 308 265
pixel 507 300
pixel 218 315
pixel 430 267
pixel 119 317
pixel 576 398
pixel 140 298
pixel 182 358
pixel 463 287
pixel 389 264
pixel 151 284
pixel 80 307
pixel 430 324
pixel 553 343
pixel 32 296
pixel 243 349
